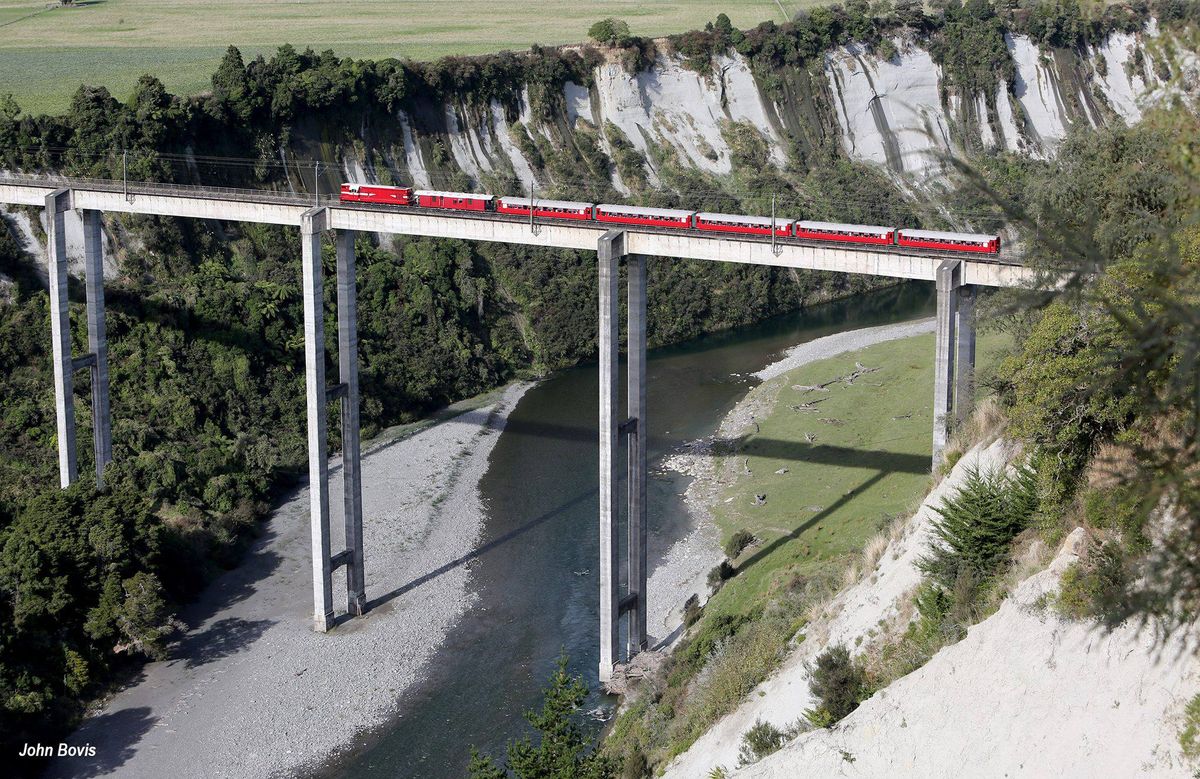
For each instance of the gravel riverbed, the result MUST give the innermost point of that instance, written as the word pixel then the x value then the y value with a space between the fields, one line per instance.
pixel 251 690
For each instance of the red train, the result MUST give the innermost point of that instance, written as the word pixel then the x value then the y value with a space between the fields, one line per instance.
pixel 674 218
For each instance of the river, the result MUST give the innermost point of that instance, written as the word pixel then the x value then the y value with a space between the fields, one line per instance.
pixel 537 574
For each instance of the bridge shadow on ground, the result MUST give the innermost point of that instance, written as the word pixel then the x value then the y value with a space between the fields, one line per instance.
pixel 771 448
pixel 821 516
pixel 880 462
pixel 121 731
pixel 221 639
pixel 484 549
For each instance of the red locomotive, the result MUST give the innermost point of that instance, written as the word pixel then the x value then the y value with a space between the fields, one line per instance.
pixel 373 193
pixel 673 218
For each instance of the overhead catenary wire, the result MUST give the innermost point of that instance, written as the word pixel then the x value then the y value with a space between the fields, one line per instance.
pixel 795 197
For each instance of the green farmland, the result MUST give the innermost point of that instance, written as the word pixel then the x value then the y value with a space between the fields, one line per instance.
pixel 47 51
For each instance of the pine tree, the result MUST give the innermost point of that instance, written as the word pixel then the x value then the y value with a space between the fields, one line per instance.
pixel 562 751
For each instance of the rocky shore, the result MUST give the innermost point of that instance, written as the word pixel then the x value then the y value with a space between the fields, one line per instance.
pixel 251 690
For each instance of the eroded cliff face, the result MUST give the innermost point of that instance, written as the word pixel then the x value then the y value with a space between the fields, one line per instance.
pixel 895 113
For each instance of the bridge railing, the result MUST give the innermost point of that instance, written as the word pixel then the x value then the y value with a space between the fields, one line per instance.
pixel 149 187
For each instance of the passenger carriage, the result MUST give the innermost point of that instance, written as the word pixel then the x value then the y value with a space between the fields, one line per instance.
pixel 551 209
pixel 638 215
pixel 832 231
pixel 455 201
pixel 736 223
pixel 376 193
pixel 955 242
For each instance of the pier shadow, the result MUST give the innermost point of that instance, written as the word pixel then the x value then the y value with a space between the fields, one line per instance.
pixel 223 638
pixel 482 550
pixel 115 736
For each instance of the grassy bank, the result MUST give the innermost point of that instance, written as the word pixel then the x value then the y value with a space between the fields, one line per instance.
pixel 822 464
pixel 45 53
pixel 867 461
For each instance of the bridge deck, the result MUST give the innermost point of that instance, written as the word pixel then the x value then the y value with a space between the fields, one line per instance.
pixel 239 205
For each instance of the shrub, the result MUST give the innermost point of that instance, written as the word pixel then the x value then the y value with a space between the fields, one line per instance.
pixel 760 740
pixel 738 543
pixel 694 652
pixel 692 611
pixel 1121 509
pixel 739 664
pixel 635 766
pixel 1189 735
pixel 720 574
pixel 838 683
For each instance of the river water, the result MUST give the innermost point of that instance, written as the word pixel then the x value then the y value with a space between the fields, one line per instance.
pixel 537 576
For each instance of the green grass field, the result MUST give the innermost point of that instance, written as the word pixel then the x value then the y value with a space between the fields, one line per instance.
pixel 47 52
pixel 869 465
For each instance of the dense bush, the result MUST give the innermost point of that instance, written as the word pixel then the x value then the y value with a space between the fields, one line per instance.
pixel 692 610
pixel 79 572
pixel 738 542
pixel 721 573
pixel 969 45
pixel 838 683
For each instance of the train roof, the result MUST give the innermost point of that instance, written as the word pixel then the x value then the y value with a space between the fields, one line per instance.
pixel 369 184
pixel 835 227
pixel 577 205
pixel 437 193
pixel 936 235
pixel 763 221
pixel 662 213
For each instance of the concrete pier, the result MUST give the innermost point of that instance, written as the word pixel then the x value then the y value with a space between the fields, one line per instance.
pixel 93 268
pixel 347 313
pixel 636 402
pixel 612 604
pixel 312 224
pixel 610 248
pixel 954 354
pixel 58 202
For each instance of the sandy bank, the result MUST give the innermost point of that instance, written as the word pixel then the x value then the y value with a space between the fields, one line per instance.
pixel 251 690
pixel 684 568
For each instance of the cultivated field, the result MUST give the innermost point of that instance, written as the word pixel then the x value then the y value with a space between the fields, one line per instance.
pixel 47 51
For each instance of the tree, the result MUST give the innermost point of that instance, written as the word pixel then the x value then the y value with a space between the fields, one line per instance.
pixel 562 751
pixel 614 32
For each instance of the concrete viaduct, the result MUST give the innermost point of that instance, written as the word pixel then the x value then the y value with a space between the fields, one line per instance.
pixel 956 279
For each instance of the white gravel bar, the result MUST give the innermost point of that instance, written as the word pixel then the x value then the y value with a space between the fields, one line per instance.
pixel 252 691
